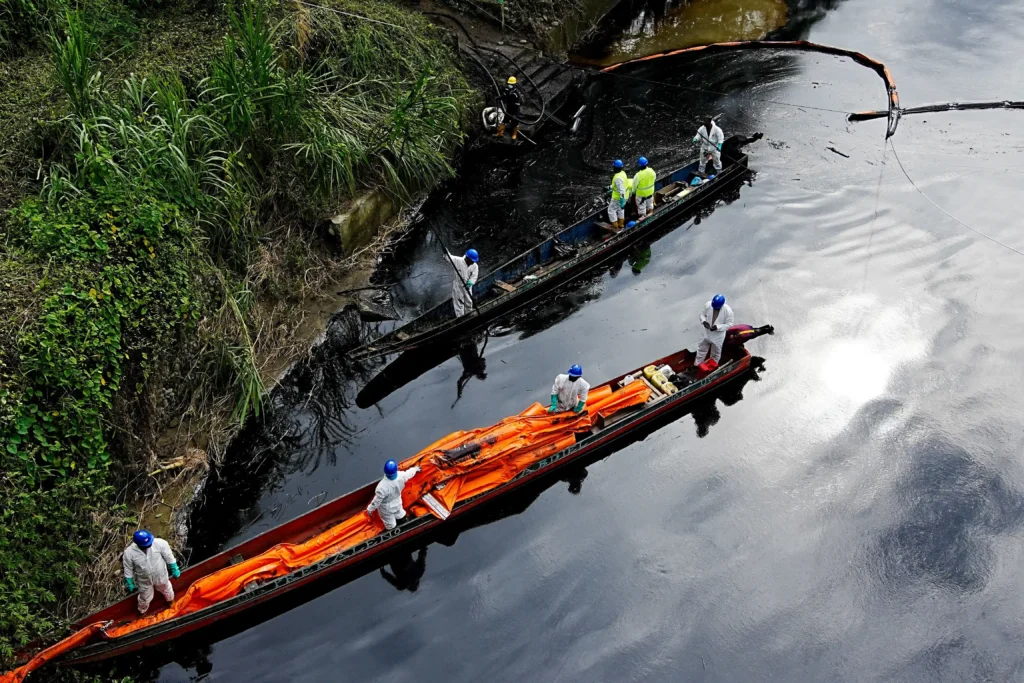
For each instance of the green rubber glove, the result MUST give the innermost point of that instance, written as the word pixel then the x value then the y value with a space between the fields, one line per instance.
pixel 580 406
pixel 130 582
pixel 554 403
pixel 175 572
pixel 622 202
pixel 719 146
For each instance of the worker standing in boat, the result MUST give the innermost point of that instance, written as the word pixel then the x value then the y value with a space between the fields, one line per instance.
pixel 145 563
pixel 716 318
pixel 569 391
pixel 511 101
pixel 621 189
pixel 387 499
pixel 643 187
pixel 710 137
pixel 466 272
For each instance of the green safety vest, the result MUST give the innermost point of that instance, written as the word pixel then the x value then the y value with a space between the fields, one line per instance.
pixel 625 183
pixel 643 183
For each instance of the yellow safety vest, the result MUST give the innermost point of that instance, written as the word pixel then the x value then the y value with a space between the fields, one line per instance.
pixel 625 183
pixel 643 183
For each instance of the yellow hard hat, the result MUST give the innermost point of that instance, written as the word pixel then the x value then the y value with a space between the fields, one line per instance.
pixel 511 80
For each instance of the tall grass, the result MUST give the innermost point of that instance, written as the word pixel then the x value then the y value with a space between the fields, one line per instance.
pixel 75 65
pixel 300 111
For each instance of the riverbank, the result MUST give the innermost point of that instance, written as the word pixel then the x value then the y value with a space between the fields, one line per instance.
pixel 168 177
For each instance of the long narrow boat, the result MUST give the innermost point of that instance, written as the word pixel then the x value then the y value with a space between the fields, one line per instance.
pixel 556 261
pixel 601 432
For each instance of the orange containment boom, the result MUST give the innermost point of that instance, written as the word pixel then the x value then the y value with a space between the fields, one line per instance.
pixel 458 467
pixel 862 59
pixel 80 637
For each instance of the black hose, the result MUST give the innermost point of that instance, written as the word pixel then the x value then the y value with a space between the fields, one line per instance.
pixel 477 46
pixel 543 104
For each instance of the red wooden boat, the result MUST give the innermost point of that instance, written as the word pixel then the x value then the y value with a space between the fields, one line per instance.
pixel 619 427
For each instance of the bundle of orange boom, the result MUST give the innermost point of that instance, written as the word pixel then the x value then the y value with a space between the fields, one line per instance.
pixel 455 468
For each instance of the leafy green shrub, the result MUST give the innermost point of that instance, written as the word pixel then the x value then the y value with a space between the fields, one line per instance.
pixel 41 533
pixel 122 290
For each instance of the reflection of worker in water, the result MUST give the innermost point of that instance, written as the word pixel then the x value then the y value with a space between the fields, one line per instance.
pixel 705 416
pixel 639 258
pixel 406 572
pixel 473 365
pixel 574 478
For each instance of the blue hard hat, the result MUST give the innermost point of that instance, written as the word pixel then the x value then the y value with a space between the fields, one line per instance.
pixel 576 371
pixel 630 224
pixel 472 255
pixel 641 162
pixel 718 301
pixel 391 469
pixel 617 163
pixel 142 538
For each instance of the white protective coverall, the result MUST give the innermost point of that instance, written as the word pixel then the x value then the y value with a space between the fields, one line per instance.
pixel 387 500
pixel 148 568
pixel 709 145
pixel 468 273
pixel 569 393
pixel 713 339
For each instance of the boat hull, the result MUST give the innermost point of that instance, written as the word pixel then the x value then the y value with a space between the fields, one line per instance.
pixel 447 328
pixel 738 364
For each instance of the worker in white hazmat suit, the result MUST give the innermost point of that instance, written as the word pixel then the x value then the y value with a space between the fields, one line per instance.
pixel 716 319
pixel 569 391
pixel 710 137
pixel 146 562
pixel 387 499
pixel 466 273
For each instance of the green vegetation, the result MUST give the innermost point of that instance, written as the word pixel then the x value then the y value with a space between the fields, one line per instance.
pixel 153 154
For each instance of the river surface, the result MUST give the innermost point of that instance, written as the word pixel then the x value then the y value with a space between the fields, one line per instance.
pixel 857 516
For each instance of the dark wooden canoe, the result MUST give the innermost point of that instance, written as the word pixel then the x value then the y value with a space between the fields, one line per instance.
pixel 554 262
pixel 620 427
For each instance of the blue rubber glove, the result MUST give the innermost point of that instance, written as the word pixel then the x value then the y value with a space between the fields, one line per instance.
pixel 175 572
pixel 719 146
pixel 130 583
pixel 554 403
pixel 579 407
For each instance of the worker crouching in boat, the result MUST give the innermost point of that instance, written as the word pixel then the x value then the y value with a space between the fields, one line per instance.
pixel 621 189
pixel 387 499
pixel 146 561
pixel 569 391
pixel 716 319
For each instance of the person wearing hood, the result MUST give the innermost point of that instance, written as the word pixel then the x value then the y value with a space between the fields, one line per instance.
pixel 146 562
pixel 466 272
pixel 711 138
pixel 716 319
pixel 387 497
pixel 569 392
